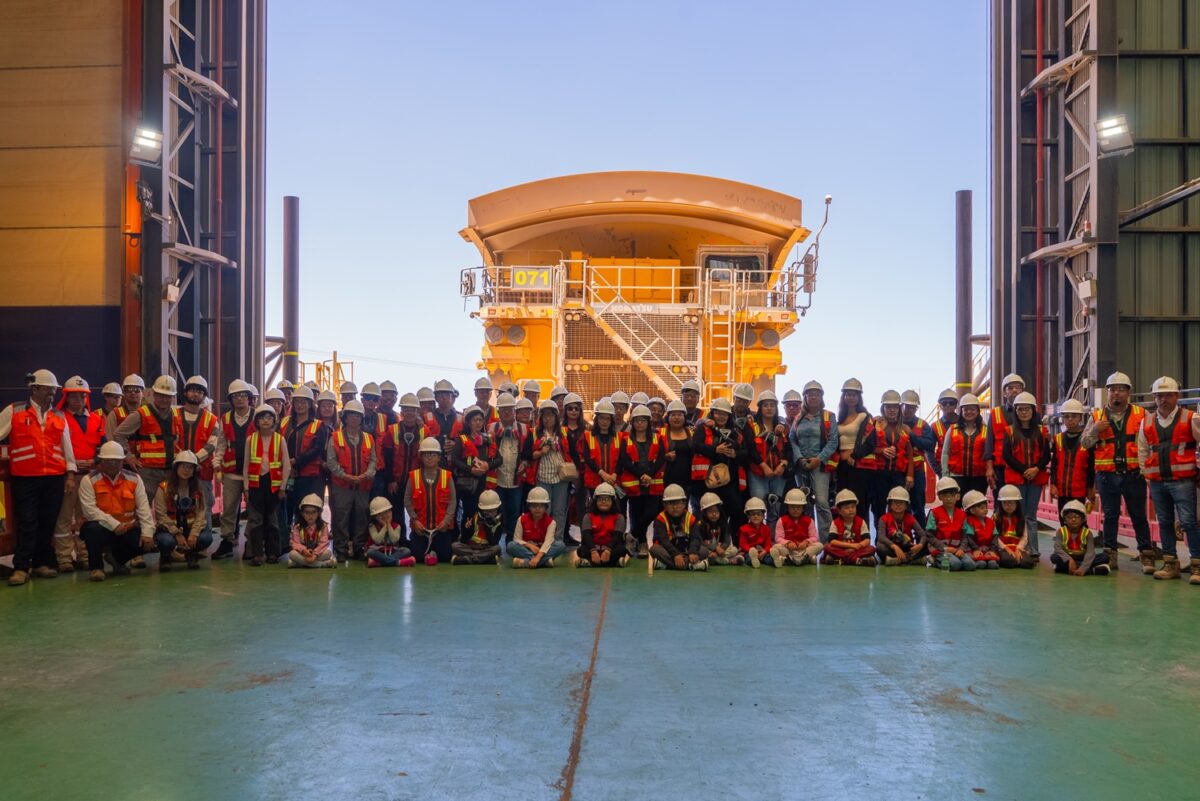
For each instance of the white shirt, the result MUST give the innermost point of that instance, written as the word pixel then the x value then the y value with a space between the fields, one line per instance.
pixel 87 500
pixel 67 451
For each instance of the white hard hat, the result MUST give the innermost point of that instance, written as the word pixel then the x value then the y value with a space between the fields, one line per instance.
pixel 968 400
pixel 302 392
pixel 639 411
pixel 1025 399
pixel 430 445
pixel 639 399
pixel 484 383
pixel 489 500
pixel 44 378
pixel 505 401
pixel 388 386
pixel 721 405
pixel 187 457
pixel 348 388
pixel 604 490
pixel 510 388
pixel 164 385
pixel 111 450
pixel 538 495
pixel 314 500
pixel 424 395
pixel 792 396
pixel 378 506
pixel 470 410
pixel 327 395
pixel 674 493
pixel 948 394
pixel 816 385
pixel 743 392
pixel 570 398
pixel 238 385
pixel 909 397
pixel 1074 506
pixel 1009 492
pixel 755 505
pixel 196 381
pixel 409 401
pixel 767 395
pixel 657 400
pixel 559 391
pixel 676 406
pixel 708 500
pixel 852 385
pixel 531 385
pixel 944 484
pixel 275 394
pixel 891 397
pixel 691 385
pixel 370 388
pixel 619 397
pixel 76 384
pixel 845 496
pixel 547 404
pixel 898 494
pixel 263 409
pixel 1119 380
pixel 112 388
pixel 523 403
pixel 1165 384
pixel 253 390
pixel 285 384
pixel 973 498
pixel 1012 378
pixel 354 406
pixel 134 380
pixel 605 407
pixel 1072 406
pixel 795 497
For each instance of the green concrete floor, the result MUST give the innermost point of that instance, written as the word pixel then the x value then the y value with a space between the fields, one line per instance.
pixel 466 682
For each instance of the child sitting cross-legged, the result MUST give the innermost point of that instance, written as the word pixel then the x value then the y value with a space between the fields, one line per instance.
pixel 310 536
pixel 671 534
pixel 945 525
pixel 478 541
pixel 796 539
pixel 712 543
pixel 603 532
pixel 754 536
pixel 385 538
pixel 1075 549
pixel 899 540
pixel 849 538
pixel 979 532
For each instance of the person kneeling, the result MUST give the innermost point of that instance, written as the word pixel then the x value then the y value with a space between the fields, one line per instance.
pixel 849 538
pixel 899 540
pixel 479 540
pixel 671 534
pixel 796 539
pixel 602 530
pixel 179 510
pixel 385 537
pixel 979 532
pixel 119 523
pixel 535 540
pixel 945 523
pixel 1075 550
pixel 310 536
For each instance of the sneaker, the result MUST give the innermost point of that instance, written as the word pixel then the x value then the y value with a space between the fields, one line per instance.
pixel 624 560
pixel 224 550
pixel 18 578
pixel 868 561
pixel 407 561
pixel 549 563
pixel 373 563
pixel 891 561
pixel 193 560
pixel 755 562
pixel 780 561
pixel 1149 562
pixel 96 575
pixel 496 558
pixel 453 560
pixel 1114 557
pixel 659 564
pixel 164 565
pixel 430 559
pixel 517 562
pixel 66 567
pixel 702 566
pixel 137 563
pixel 1195 571
pixel 1170 569
pixel 44 572
pixel 257 561
pixel 930 561
pixel 583 563
pixel 1101 569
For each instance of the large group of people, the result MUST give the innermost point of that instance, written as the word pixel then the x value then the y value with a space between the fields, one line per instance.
pixel 396 480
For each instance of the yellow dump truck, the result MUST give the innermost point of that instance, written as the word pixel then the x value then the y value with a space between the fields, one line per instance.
pixel 638 281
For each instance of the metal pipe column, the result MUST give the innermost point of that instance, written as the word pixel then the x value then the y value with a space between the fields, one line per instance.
pixel 291 288
pixel 962 292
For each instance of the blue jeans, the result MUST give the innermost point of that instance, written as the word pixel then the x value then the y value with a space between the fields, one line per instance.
pixel 560 493
pixel 1112 488
pixel 1176 500
pixel 917 495
pixel 510 509
pixel 964 562
pixel 760 487
pixel 166 543
pixel 388 559
pixel 816 483
pixel 518 551
pixel 1031 495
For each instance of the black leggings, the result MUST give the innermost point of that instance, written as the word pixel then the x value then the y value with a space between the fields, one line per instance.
pixel 642 511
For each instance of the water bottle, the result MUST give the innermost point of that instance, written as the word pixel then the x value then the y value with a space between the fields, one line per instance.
pixel 944 561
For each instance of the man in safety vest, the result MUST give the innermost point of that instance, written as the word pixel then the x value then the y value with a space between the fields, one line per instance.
pixel 113 394
pixel 117 512
pixel 133 389
pixel 448 420
pixel 87 433
pixel 689 394
pixel 1113 432
pixel 306 438
pixel 42 467
pixel 230 458
pixel 1167 451
pixel 924 444
pixel 198 430
pixel 148 437
pixel 948 403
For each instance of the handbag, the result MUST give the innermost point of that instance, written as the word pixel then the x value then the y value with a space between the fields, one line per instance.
pixel 567 471
pixel 718 476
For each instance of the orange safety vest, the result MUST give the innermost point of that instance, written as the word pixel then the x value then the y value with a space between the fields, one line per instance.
pixel 431 507
pixel 1028 453
pixel 1071 467
pixel 632 486
pixel 32 449
pixel 150 443
pixel 1106 446
pixel 939 431
pixel 1177 450
pixel 346 456
pixel 1009 537
pixel 235 442
pixel 274 456
pixel 605 456
pixel 313 468
pixel 772 456
pixel 116 498
pixel 84 444
pixel 966 451
pixel 999 423
pixel 885 437
pixel 700 464
pixel 406 455
pixel 205 423
pixel 683 531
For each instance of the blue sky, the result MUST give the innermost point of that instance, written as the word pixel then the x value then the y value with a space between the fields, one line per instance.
pixel 385 118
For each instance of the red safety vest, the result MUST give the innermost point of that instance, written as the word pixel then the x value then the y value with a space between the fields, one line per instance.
pixel 984 531
pixel 966 451
pixel 84 444
pixel 32 449
pixel 116 498
pixel 1178 446
pixel 632 486
pixel 949 529
pixel 603 528
pixel 274 457
pixel 854 534
pixel 888 436
pixel 898 528
pixel 1071 467
pixel 999 423
pixel 1009 525
pixel 752 536
pixel 205 423
pixel 535 530
pixel 346 457
pixel 431 507
pixel 1106 446
pixel 1028 452
pixel 700 464
pixel 606 456
pixel 235 442
pixel 406 455
pixel 472 450
pixel 796 529
pixel 939 432
pixel 770 457
pixel 150 442
pixel 313 427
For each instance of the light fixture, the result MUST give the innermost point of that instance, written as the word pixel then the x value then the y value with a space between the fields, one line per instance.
pixel 516 334
pixel 769 337
pixel 1113 137
pixel 147 146
pixel 493 334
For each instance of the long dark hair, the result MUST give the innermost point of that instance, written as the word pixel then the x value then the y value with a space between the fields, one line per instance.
pixel 612 423
pixel 844 412
pixel 193 484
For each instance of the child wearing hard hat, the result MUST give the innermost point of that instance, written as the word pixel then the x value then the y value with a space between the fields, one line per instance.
pixel 1072 465
pixel 431 503
pixel 796 538
pixel 536 542
pixel 712 541
pixel 268 466
pixel 603 532
pixel 754 536
pixel 849 537
pixel 979 532
pixel 671 534
pixel 945 526
pixel 899 538
pixel 1075 549
pixel 479 536
pixel 1010 529
pixel 385 538
pixel 179 514
pixel 310 536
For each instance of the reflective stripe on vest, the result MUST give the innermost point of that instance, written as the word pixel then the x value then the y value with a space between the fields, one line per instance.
pixel 353 461
pixel 431 508
pixel 631 484
pixel 116 498
pixel 1179 449
pixel 274 455
pixel 150 443
pixel 32 449
pixel 960 443
pixel 1075 544
pixel 205 423
pixel 1106 446
pixel 1070 467
pixel 675 532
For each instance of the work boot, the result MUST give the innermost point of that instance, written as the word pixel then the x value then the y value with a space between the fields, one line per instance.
pixel 1195 579
pixel 1114 556
pixel 1149 561
pixel 193 560
pixel 224 550
pixel 18 578
pixel 66 567
pixel 164 564
pixel 137 562
pixel 44 572
pixel 1170 569
pixel 1101 569
pixel 96 575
